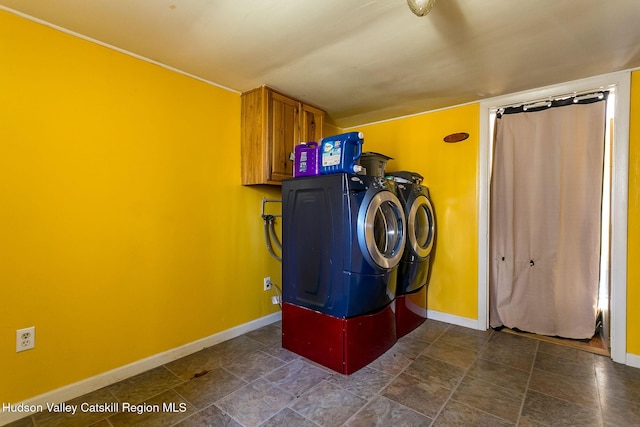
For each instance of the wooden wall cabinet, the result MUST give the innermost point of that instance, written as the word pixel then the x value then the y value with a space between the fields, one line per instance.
pixel 272 125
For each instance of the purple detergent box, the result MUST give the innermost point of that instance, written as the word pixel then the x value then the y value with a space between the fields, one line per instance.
pixel 306 161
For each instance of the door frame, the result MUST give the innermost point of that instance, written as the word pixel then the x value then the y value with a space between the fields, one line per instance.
pixel 619 196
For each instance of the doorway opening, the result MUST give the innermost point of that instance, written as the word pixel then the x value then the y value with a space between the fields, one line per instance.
pixel 588 305
pixel 613 266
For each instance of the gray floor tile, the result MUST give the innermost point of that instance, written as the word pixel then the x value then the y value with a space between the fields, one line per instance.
pixel 22 422
pixel 436 371
pixel 429 331
pixel 145 385
pixel 392 362
pixel 498 401
pixel 466 338
pixel 624 387
pixel 605 367
pixel 513 341
pixel 253 365
pixel 267 335
pixel 207 389
pixel 458 414
pixel 289 418
pixel 297 377
pixel 101 423
pixel 195 364
pixel 278 352
pixel 584 393
pixel 566 367
pixel 458 356
pixel 425 397
pixel 255 403
pixel 328 405
pixel 548 410
pixel 438 374
pixel 210 416
pixel 384 412
pixel 410 348
pixel 517 356
pixel 366 382
pixel 573 354
pixel 236 347
pixel 618 412
pixel 500 375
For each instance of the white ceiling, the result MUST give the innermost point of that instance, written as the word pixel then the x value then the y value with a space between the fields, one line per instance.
pixel 365 60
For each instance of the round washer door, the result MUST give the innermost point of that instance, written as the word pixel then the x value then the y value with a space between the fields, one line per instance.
pixel 421 226
pixel 381 229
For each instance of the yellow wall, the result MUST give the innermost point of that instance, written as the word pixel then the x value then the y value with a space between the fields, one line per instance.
pixel 633 246
pixel 124 229
pixel 330 129
pixel 450 171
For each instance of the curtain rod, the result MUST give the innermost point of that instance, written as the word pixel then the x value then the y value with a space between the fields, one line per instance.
pixel 541 102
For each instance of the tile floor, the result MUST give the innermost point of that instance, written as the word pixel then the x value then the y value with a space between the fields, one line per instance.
pixel 439 375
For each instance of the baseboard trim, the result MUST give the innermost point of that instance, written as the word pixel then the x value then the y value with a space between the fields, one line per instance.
pixel 454 320
pixel 633 360
pixel 88 385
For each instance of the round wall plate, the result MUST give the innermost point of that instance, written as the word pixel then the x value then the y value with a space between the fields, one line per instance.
pixel 456 137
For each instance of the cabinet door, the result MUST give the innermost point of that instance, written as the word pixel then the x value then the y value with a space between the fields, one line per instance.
pixel 253 137
pixel 312 121
pixel 283 135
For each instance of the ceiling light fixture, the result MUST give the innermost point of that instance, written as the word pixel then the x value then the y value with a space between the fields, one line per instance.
pixel 421 7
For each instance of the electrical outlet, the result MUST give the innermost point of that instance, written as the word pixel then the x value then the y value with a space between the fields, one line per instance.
pixel 25 339
pixel 266 283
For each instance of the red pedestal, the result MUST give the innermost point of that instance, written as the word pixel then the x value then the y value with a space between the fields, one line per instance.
pixel 344 345
pixel 411 311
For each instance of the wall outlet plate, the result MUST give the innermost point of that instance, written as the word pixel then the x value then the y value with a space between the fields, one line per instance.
pixel 25 339
pixel 266 282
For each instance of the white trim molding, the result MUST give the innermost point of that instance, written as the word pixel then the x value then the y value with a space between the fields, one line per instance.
pixel 633 360
pixel 453 320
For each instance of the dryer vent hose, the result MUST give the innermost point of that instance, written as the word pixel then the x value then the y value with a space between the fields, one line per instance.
pixel 270 235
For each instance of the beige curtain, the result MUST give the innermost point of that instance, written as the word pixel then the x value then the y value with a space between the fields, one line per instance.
pixel 546 193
